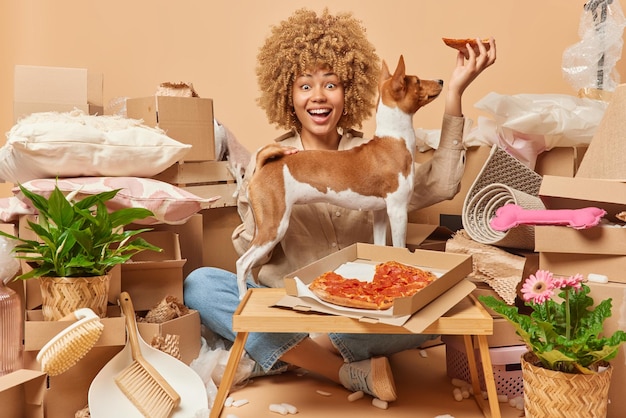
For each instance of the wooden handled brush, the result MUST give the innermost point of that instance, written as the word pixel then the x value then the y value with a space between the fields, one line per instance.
pixel 66 348
pixel 140 381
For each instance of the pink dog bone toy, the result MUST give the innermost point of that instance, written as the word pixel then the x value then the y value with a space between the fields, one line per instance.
pixel 511 215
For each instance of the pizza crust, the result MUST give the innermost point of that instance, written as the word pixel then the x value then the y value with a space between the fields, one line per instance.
pixel 461 44
pixel 349 303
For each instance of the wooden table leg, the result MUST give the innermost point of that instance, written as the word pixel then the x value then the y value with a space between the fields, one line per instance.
pixel 229 374
pixel 471 363
pixel 490 383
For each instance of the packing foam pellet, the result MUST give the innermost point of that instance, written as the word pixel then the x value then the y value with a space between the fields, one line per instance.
pixel 290 408
pixel 323 393
pixel 503 398
pixel 517 402
pixel 423 353
pixel 354 396
pixel 597 278
pixel 229 401
pixel 239 402
pixel 279 409
pixel 465 393
pixel 459 383
pixel 380 404
pixel 458 394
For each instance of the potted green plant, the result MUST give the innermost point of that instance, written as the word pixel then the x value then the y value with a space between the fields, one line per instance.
pixel 78 243
pixel 567 365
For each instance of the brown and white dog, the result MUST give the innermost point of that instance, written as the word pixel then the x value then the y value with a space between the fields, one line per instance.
pixel 376 176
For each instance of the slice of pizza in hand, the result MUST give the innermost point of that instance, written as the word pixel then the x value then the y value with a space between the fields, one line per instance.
pixel 461 44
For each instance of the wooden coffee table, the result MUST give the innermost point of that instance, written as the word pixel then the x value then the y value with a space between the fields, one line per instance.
pixel 256 314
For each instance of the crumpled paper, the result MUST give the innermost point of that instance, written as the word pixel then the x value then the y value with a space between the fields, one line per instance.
pixel 526 125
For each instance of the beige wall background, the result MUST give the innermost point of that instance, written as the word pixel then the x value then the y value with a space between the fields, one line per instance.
pixel 137 44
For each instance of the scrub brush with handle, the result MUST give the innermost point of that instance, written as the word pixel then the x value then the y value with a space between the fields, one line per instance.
pixel 142 384
pixel 66 348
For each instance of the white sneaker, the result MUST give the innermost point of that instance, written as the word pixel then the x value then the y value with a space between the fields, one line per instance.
pixel 372 376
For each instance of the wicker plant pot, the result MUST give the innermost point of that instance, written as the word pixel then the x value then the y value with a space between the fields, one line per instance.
pixel 64 295
pixel 549 393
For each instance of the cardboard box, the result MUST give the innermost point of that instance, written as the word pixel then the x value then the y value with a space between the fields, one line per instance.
pixel 203 178
pixel 186 119
pixel 151 276
pixel 616 291
pixel 45 89
pixel 191 237
pixel 453 268
pixel 574 193
pixel 38 332
pixel 600 249
pixel 218 226
pixel 568 264
pixel 68 392
pixel 186 327
pixel 22 394
pixel 32 289
pixel 426 237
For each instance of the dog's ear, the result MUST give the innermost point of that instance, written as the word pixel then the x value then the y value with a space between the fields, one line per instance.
pixel 397 82
pixel 384 73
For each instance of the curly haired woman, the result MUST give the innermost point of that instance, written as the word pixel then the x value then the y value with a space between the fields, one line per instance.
pixel 318 76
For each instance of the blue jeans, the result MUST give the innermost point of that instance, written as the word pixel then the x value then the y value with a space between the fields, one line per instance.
pixel 213 293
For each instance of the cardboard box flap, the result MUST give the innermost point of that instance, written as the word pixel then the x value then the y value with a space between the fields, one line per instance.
pixel 575 193
pixel 605 157
pixel 22 394
pixel 167 241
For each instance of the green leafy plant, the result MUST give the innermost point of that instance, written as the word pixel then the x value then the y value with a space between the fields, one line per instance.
pixel 564 329
pixel 79 238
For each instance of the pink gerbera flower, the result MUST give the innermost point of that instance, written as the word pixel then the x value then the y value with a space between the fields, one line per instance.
pixel 539 287
pixel 574 281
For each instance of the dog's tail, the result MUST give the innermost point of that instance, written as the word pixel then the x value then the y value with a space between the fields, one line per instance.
pixel 267 153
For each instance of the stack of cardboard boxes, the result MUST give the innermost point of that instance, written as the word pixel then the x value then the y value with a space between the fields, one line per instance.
pixel 191 120
pixel 600 250
pixel 149 277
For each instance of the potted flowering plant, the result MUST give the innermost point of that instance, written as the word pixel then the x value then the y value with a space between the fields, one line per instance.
pixel 567 366
pixel 563 330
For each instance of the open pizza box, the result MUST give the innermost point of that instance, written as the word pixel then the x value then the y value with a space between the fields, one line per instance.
pixel 414 313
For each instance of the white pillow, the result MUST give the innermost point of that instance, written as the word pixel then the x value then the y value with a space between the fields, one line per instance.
pixel 73 144
pixel 170 204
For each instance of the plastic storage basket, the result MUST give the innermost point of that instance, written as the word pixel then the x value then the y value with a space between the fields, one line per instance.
pixel 506 363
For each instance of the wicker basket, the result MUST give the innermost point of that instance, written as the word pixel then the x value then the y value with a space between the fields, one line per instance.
pixel 63 295
pixel 549 393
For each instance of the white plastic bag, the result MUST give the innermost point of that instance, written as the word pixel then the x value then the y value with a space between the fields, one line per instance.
pixel 211 363
pixel 590 63
pixel 9 265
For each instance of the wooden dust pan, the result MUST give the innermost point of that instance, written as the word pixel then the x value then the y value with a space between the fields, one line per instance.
pixel 141 381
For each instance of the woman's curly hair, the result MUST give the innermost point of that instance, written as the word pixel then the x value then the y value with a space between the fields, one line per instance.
pixel 306 41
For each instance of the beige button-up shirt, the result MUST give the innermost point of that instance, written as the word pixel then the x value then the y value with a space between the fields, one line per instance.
pixel 319 229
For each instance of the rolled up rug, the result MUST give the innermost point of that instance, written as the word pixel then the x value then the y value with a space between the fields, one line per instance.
pixel 502 180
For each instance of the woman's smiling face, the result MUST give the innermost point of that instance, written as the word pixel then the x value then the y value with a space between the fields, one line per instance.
pixel 318 100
